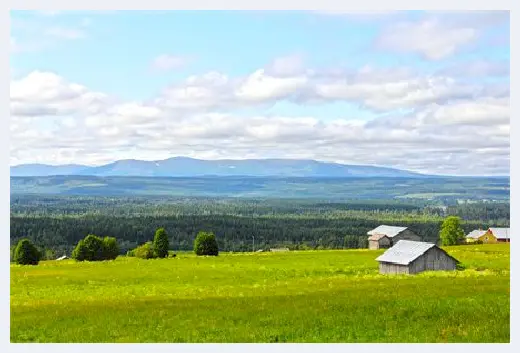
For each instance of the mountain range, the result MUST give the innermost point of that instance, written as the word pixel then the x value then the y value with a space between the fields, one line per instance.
pixel 190 167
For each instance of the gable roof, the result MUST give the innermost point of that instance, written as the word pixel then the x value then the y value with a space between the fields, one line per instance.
pixel 405 251
pixel 475 234
pixel 390 231
pixel 500 233
pixel 377 237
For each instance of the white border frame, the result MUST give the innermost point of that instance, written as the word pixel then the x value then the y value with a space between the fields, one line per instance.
pixel 365 5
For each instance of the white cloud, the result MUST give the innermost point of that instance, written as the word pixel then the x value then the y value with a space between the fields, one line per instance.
pixel 439 34
pixel 57 121
pixel 166 62
pixel 291 65
pixel 45 93
pixel 478 68
pixel 430 38
pixel 65 33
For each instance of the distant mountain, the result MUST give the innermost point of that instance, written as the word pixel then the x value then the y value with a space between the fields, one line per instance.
pixel 189 167
pixel 47 170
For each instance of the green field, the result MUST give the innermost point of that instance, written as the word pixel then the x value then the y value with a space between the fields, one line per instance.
pixel 305 296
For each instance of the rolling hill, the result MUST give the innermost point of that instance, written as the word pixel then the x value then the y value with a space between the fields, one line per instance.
pixel 190 167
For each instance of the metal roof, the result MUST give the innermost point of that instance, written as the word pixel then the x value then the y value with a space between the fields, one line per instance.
pixel 405 251
pixel 500 233
pixel 475 234
pixel 390 231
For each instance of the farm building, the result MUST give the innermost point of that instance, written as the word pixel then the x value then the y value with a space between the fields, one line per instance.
pixel 278 249
pixel 490 236
pixel 475 235
pixel 385 236
pixel 410 257
pixel 498 235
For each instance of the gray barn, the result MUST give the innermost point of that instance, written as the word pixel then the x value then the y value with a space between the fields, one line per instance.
pixel 385 236
pixel 409 257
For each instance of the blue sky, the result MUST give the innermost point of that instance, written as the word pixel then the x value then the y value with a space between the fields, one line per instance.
pixel 339 87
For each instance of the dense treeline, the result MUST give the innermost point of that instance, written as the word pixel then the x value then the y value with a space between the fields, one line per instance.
pixel 56 224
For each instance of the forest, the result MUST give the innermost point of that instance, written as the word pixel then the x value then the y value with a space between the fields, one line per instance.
pixel 55 223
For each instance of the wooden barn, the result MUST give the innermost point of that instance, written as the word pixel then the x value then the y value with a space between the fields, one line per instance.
pixel 490 236
pixel 385 236
pixel 497 235
pixel 475 235
pixel 410 257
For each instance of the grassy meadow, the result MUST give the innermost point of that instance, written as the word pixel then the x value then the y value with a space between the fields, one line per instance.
pixel 300 296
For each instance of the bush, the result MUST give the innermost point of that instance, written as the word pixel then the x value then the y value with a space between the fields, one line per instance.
pixel 144 251
pixel 130 253
pixel 206 244
pixel 160 243
pixel 94 248
pixel 460 267
pixel 26 253
pixel 80 251
pixel 110 248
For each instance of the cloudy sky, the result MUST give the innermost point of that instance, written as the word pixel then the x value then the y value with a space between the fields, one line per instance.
pixel 423 91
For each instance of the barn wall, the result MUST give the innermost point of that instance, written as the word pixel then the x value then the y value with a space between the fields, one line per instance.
pixel 393 269
pixel 385 243
pixel 406 234
pixel 488 238
pixel 373 244
pixel 433 260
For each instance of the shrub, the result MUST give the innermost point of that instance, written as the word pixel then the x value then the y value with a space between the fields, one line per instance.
pixel 460 267
pixel 130 253
pixel 206 244
pixel 94 248
pixel 26 253
pixel 80 251
pixel 110 248
pixel 160 243
pixel 144 251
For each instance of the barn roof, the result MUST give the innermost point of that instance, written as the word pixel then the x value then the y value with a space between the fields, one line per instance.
pixel 377 236
pixel 405 251
pixel 475 234
pixel 500 233
pixel 390 231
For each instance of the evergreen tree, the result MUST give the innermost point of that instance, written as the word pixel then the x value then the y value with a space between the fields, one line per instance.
pixel 26 253
pixel 160 243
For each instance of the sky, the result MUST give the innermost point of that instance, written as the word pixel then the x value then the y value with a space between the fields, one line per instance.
pixel 426 91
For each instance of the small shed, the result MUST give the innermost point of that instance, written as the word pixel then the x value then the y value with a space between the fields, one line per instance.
pixel 410 257
pixel 385 236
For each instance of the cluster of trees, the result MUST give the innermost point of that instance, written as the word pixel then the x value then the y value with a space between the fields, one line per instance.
pixel 94 248
pixel 158 248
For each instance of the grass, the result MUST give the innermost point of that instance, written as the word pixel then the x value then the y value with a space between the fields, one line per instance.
pixel 307 296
